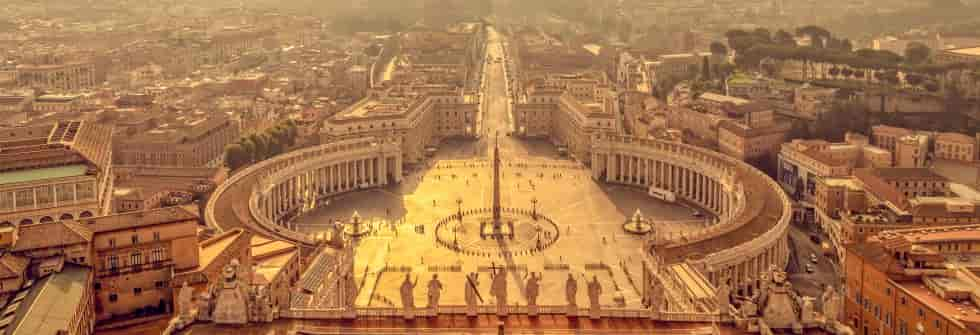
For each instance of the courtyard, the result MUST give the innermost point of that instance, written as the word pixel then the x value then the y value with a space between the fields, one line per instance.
pixel 588 240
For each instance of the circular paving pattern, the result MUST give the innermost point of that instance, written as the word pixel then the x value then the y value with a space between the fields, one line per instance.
pixel 521 232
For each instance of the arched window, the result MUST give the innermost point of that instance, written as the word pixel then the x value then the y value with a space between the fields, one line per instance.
pixel 85 214
pixel 46 219
pixel 26 222
pixel 66 216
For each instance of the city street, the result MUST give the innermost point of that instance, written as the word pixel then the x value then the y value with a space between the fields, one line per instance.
pixel 825 270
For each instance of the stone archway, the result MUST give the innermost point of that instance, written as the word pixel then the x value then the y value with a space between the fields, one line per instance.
pixel 66 216
pixel 26 222
pixel 85 214
pixel 46 219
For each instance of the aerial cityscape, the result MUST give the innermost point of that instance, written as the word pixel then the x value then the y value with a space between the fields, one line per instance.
pixel 301 167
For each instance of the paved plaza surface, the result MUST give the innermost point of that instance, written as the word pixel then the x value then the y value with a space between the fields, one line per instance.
pixel 588 240
pixel 589 216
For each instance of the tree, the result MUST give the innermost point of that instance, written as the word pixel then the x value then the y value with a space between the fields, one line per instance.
pixel 781 37
pixel 249 147
pixel 762 35
pixel 705 69
pixel 914 79
pixel 236 156
pixel 718 48
pixel 916 53
pixel 888 76
pixel 261 146
pixel 725 70
pixel 817 34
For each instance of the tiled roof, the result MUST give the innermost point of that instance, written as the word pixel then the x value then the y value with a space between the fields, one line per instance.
pixel 54 234
pixel 12 266
pixel 899 174
pixel 139 219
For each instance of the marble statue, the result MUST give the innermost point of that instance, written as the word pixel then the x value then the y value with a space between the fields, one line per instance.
pixel 748 309
pixel 571 290
pixel 723 294
pixel 231 300
pixel 655 296
pixel 472 293
pixel 350 290
pixel 595 289
pixel 204 306
pixel 532 288
pixel 831 304
pixel 185 300
pixel 498 288
pixel 407 292
pixel 435 291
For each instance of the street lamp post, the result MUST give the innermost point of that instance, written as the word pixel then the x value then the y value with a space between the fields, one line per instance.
pixel 534 208
pixel 459 209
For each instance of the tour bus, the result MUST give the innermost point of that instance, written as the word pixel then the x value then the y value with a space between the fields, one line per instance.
pixel 662 194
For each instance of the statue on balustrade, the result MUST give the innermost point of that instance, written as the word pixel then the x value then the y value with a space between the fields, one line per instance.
pixel 498 288
pixel 571 290
pixel 472 293
pixel 723 294
pixel 205 307
pixel 349 291
pixel 595 289
pixel 532 288
pixel 831 303
pixel 435 291
pixel 407 292
pixel 185 301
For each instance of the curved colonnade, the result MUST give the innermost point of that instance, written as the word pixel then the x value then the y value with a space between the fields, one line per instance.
pixel 748 238
pixel 266 196
pixel 753 212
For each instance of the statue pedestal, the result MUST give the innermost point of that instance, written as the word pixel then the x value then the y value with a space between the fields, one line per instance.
pixel 472 311
pixel 350 314
pixel 408 313
pixel 571 310
pixel 594 312
pixel 532 310
pixel 501 310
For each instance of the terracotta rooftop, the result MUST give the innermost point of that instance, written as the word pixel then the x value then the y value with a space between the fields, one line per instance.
pixel 12 266
pixel 902 174
pixel 139 219
pixel 955 137
pixel 54 234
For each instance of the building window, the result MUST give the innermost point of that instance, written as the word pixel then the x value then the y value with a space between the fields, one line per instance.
pixel 112 262
pixel 137 290
pixel 135 238
pixel 97 286
pixel 920 313
pixel 112 243
pixel 156 236
pixel 160 284
pixel 156 255
pixel 113 297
